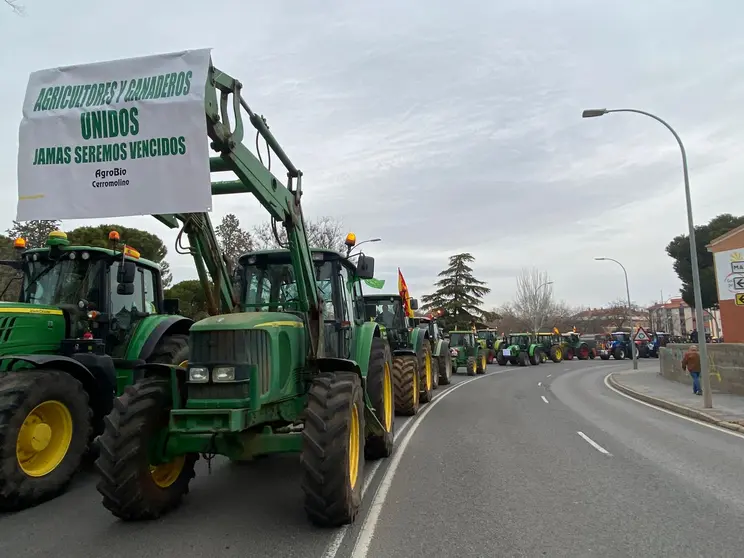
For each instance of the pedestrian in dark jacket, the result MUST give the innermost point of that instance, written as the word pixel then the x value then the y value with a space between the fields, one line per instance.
pixel 691 363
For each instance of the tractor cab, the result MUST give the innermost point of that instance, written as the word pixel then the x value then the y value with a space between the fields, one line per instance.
pixel 80 292
pixel 551 345
pixel 271 290
pixel 388 312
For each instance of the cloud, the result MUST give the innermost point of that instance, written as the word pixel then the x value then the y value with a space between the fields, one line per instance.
pixel 447 130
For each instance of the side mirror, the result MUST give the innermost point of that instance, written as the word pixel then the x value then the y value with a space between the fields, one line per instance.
pixel 365 267
pixel 171 306
pixel 126 274
pixel 125 289
pixel 414 304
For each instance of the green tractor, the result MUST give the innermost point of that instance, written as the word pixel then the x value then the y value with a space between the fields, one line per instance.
pixel 551 345
pixel 467 351
pixel 489 338
pixel 415 371
pixel 520 349
pixel 85 319
pixel 575 346
pixel 300 369
pixel 440 347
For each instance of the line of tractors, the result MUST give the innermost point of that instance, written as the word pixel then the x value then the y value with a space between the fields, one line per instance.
pixel 96 364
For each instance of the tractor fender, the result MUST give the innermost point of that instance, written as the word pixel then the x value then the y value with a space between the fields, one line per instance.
pixel 531 350
pixel 151 331
pixel 362 347
pixel 441 347
pixel 404 352
pixel 95 372
pixel 418 335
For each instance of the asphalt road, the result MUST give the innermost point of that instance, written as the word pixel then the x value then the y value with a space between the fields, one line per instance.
pixel 489 469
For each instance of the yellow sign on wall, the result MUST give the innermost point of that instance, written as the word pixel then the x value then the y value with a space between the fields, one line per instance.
pixel 739 299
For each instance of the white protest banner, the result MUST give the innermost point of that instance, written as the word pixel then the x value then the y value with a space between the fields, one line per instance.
pixel 113 139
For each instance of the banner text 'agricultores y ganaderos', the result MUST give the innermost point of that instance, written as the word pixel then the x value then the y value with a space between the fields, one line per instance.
pixel 126 137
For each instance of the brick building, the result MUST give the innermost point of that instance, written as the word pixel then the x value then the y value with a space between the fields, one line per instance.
pixel 728 257
pixel 676 317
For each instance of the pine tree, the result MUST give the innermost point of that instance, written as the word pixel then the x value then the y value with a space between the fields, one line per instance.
pixel 458 292
pixel 35 232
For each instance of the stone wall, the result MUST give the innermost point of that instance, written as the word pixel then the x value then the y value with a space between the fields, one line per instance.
pixel 726 361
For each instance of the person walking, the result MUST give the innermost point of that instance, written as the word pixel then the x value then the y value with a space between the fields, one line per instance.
pixel 691 363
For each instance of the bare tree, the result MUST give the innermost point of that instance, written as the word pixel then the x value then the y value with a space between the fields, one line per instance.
pixel 534 299
pixel 18 9
pixel 324 232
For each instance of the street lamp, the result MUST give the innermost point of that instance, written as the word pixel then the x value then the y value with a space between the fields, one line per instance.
pixel 537 290
pixel 358 244
pixel 699 318
pixel 633 348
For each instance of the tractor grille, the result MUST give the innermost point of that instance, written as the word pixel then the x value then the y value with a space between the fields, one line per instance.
pixel 243 346
pixel 231 390
pixel 6 328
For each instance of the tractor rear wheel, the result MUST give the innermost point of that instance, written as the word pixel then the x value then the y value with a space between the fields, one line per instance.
pixel 172 349
pixel 434 372
pixel 426 374
pixel 556 353
pixel 380 391
pixel 583 352
pixel 332 449
pixel 132 487
pixel 535 358
pixel 445 368
pixel 482 363
pixel 471 367
pixel 522 358
pixel 569 354
pixel 500 359
pixel 45 425
pixel 406 380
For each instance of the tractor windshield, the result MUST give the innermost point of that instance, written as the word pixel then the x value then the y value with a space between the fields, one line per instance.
pixel 65 281
pixel 461 339
pixel 386 312
pixel 271 287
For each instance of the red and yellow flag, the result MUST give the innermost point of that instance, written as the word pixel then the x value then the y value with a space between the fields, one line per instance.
pixel 405 295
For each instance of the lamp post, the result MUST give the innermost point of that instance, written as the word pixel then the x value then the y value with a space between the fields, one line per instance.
pixel 358 244
pixel 633 349
pixel 699 318
pixel 537 290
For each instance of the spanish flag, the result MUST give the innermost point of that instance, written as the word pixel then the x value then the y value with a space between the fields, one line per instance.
pixel 405 295
pixel 131 252
pixel 556 331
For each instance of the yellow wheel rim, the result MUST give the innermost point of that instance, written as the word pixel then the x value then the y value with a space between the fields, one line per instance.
pixel 428 371
pixel 354 446
pixel 387 394
pixel 483 362
pixel 44 438
pixel 558 354
pixel 415 389
pixel 166 474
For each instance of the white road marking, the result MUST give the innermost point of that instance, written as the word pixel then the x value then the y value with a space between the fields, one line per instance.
pixel 594 444
pixel 566 369
pixel 539 384
pixel 548 376
pixel 367 532
pixel 668 412
pixel 545 399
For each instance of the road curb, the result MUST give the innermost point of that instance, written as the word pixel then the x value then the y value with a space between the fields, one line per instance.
pixel 674 407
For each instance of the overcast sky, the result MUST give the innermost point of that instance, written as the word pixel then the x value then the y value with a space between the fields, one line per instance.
pixel 448 127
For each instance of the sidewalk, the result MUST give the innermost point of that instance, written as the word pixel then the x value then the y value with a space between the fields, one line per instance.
pixel 649 386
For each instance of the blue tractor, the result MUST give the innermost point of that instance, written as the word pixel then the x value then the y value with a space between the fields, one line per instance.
pixel 658 340
pixel 619 346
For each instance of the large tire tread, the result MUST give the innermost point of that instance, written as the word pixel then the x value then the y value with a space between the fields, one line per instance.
pixel 126 485
pixel 20 393
pixel 377 447
pixel 405 370
pixel 330 500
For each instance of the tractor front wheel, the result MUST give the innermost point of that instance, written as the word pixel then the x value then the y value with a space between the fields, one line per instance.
pixel 523 359
pixel 132 487
pixel 425 368
pixel 445 368
pixel 332 449
pixel 535 358
pixel 556 353
pixel 500 360
pixel 406 380
pixel 569 354
pixel 45 425
pixel 380 390
pixel 434 372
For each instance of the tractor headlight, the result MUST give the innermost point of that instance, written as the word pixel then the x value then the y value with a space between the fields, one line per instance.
pixel 223 374
pixel 199 374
